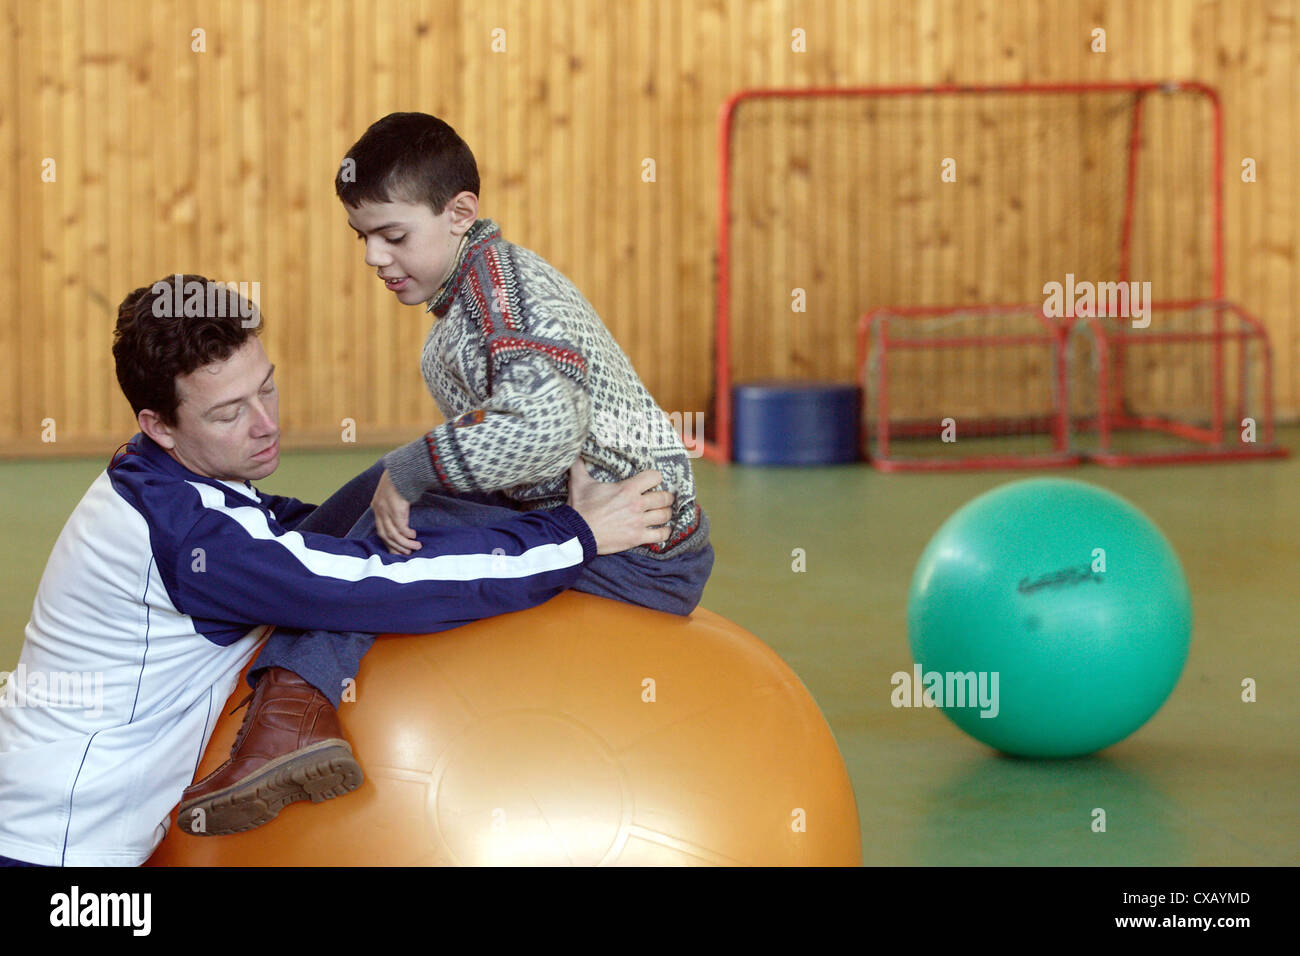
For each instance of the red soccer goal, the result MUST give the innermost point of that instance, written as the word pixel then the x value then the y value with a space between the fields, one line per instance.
pixel 950 202
pixel 1008 387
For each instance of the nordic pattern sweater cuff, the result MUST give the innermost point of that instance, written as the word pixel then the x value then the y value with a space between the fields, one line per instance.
pixel 430 463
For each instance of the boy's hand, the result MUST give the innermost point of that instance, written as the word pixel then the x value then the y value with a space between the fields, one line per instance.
pixel 621 515
pixel 392 518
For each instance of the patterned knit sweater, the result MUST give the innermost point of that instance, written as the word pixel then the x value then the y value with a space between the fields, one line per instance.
pixel 528 377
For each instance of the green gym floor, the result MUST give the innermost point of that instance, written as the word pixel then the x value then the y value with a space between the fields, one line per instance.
pixel 1210 780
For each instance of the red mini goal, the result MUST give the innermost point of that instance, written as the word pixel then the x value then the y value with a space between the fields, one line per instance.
pixel 1008 387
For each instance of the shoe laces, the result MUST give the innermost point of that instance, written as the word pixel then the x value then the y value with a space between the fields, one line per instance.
pixel 243 727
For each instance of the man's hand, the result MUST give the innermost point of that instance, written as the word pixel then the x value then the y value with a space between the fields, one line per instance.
pixel 392 518
pixel 621 515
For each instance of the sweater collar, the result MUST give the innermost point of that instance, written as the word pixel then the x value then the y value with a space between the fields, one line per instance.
pixel 480 235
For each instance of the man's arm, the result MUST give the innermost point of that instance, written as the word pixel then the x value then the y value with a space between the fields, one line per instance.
pixel 254 572
pixel 236 565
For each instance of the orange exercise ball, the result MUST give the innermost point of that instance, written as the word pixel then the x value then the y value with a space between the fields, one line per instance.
pixel 585 731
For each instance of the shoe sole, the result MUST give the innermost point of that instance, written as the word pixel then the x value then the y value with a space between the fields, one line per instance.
pixel 321 772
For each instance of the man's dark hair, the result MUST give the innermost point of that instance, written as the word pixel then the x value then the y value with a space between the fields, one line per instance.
pixel 407 157
pixel 165 330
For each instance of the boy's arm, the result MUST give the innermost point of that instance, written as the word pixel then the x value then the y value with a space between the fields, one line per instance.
pixel 531 428
pixel 256 573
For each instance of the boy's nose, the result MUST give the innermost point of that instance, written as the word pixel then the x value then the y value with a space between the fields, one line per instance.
pixel 375 256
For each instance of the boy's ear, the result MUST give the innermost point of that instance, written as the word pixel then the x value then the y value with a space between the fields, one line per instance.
pixel 464 209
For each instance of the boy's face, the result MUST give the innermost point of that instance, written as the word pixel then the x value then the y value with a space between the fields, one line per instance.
pixel 228 421
pixel 409 247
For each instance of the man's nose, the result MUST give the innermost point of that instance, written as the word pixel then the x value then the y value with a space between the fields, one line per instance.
pixel 264 420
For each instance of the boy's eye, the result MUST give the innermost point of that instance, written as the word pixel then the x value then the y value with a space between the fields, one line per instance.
pixel 397 240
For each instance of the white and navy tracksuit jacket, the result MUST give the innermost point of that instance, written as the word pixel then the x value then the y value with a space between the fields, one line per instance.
pixel 153 601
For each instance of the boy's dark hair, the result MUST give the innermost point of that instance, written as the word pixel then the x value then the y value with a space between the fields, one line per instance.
pixel 407 157
pixel 163 331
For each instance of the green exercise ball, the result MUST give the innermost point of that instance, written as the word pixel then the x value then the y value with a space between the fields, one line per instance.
pixel 1048 618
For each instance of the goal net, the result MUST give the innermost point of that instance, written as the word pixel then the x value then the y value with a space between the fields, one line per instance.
pixel 1008 387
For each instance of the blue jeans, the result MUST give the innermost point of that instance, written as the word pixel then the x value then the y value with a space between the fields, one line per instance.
pixel 327 659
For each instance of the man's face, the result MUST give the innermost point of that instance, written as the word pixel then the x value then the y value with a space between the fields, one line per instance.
pixel 227 423
pixel 408 246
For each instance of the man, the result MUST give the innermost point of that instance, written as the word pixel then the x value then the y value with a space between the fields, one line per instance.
pixel 165 574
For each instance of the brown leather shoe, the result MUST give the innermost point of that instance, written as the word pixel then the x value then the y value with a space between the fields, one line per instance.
pixel 290 747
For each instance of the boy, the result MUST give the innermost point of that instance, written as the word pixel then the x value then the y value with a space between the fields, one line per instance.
pixel 518 361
